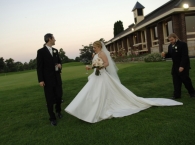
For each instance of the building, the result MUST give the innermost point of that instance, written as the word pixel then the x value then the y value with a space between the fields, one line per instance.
pixel 150 33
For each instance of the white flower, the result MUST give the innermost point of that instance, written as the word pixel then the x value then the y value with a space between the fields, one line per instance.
pixel 54 51
pixel 97 62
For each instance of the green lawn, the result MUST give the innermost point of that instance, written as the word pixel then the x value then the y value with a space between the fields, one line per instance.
pixel 24 118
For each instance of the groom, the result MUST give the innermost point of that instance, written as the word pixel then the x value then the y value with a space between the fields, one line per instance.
pixel 48 72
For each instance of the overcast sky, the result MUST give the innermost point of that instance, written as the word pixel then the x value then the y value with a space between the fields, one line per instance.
pixel 73 22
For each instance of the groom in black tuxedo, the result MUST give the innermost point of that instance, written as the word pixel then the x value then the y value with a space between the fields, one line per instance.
pixel 48 72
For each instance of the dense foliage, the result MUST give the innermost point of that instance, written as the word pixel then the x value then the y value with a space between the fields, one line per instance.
pixel 154 57
pixel 118 27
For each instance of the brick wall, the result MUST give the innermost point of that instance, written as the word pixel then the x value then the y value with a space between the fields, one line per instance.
pixel 148 37
pixel 179 26
pixel 139 39
pixel 130 39
pixel 183 27
pixel 125 43
pixel 160 36
pixel 154 49
pixel 191 47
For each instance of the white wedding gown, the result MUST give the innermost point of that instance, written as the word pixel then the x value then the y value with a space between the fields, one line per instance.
pixel 105 97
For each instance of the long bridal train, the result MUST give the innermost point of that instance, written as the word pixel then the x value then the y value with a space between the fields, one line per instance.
pixel 105 97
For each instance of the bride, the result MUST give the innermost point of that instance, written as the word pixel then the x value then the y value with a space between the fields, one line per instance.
pixel 104 96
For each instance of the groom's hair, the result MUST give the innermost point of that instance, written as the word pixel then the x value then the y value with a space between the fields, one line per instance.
pixel 47 37
pixel 174 36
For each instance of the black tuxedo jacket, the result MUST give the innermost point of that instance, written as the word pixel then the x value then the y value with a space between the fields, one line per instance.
pixel 179 55
pixel 46 67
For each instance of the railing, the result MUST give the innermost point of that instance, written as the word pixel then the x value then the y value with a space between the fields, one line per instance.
pixel 155 43
pixel 190 35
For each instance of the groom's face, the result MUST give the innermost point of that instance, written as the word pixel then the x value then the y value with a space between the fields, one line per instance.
pixel 52 41
pixel 172 40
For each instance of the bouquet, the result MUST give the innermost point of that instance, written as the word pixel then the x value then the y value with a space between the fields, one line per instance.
pixel 98 64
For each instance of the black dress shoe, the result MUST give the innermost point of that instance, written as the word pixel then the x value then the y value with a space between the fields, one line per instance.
pixel 175 97
pixel 53 122
pixel 192 95
pixel 59 115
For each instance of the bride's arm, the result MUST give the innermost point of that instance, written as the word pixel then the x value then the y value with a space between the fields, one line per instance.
pixel 103 56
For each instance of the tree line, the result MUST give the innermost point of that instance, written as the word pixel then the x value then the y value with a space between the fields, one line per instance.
pixel 9 65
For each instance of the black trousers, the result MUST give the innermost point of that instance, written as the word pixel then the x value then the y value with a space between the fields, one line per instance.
pixel 53 95
pixel 178 79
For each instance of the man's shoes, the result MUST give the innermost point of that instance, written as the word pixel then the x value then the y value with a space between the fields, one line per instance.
pixel 192 95
pixel 53 122
pixel 175 97
pixel 59 115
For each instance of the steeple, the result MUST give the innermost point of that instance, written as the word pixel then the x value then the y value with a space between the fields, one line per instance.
pixel 138 6
pixel 138 12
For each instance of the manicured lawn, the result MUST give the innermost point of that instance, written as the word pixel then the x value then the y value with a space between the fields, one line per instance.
pixel 24 118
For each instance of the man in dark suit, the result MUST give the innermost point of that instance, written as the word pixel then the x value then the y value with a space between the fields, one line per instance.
pixel 178 51
pixel 48 72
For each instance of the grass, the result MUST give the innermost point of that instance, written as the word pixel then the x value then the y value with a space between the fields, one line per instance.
pixel 24 118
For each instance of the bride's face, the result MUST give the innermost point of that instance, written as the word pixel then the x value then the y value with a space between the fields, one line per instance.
pixel 96 48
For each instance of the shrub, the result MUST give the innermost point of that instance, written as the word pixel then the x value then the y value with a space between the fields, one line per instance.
pixel 154 57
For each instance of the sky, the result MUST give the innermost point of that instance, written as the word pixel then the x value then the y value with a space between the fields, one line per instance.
pixel 23 23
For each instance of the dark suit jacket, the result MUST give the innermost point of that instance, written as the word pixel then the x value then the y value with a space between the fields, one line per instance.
pixel 179 55
pixel 46 67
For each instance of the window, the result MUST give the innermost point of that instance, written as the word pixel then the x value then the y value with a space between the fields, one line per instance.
pixel 135 19
pixel 135 41
pixel 140 12
pixel 143 38
pixel 167 29
pixel 190 23
pixel 143 34
pixel 154 36
pixel 190 27
pixel 155 33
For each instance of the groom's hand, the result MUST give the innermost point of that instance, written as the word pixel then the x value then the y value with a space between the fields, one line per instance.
pixel 42 84
pixel 181 69
pixel 59 66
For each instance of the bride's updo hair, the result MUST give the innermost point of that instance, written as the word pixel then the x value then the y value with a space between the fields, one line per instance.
pixel 98 44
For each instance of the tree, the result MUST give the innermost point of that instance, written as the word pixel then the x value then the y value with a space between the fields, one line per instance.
pixel 118 27
pixel 87 52
pixel 32 64
pixel 77 59
pixel 63 57
pixel 19 66
pixel 2 64
pixel 10 65
pixel 26 66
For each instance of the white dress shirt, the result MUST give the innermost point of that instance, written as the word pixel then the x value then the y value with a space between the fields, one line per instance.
pixel 50 49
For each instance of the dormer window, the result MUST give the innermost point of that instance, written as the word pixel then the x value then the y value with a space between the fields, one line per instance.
pixel 135 19
pixel 140 12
